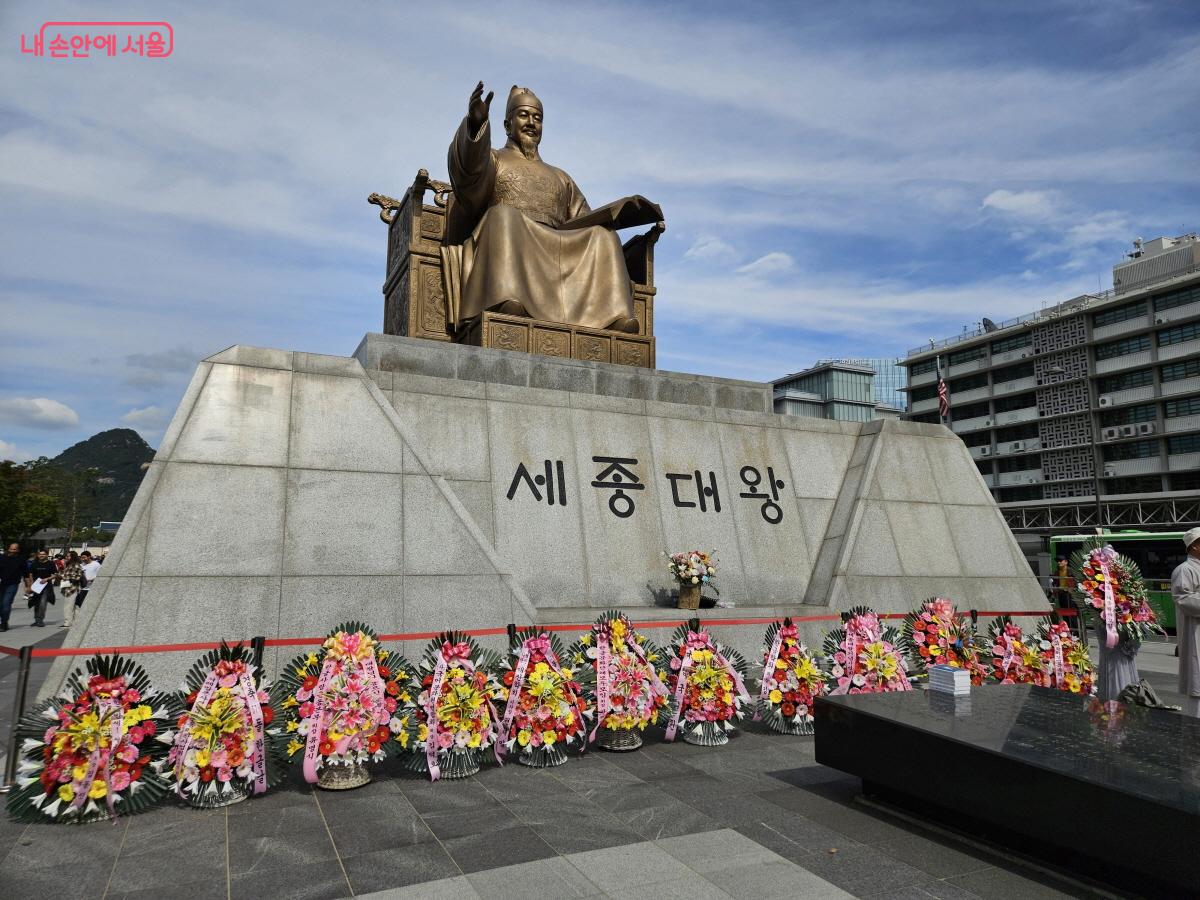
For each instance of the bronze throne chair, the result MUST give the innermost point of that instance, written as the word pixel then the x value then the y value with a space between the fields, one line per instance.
pixel 415 296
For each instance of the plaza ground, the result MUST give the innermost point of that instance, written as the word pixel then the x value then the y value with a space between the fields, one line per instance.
pixel 758 818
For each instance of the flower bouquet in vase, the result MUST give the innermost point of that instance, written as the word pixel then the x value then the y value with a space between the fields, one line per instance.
pixel 455 719
pixel 934 634
pixel 863 656
pixel 707 681
pixel 94 751
pixel 1015 658
pixel 344 706
pixel 545 713
pixel 620 665
pixel 693 570
pixel 1065 658
pixel 791 681
pixel 221 753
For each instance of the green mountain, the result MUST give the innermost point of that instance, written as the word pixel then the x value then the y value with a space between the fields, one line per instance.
pixel 119 455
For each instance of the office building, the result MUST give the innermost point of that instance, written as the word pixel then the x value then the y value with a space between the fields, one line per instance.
pixel 832 390
pixel 890 385
pixel 1102 390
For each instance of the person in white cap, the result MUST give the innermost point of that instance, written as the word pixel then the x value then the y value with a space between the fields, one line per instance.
pixel 1185 590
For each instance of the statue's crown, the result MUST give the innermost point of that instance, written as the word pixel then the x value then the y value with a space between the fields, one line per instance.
pixel 521 96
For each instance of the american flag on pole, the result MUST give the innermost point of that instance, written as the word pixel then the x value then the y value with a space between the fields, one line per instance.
pixel 943 393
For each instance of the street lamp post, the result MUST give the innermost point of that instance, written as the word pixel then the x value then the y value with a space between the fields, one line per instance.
pixel 1094 445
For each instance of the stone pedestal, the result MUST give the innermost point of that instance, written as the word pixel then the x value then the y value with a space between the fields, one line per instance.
pixel 421 485
pixel 525 335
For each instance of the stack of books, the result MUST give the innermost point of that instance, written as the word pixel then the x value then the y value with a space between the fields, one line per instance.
pixel 949 680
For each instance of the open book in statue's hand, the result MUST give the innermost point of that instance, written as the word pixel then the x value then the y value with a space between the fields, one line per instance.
pixel 628 212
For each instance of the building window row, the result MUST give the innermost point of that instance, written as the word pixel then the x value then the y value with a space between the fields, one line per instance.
pixel 1173 299
pixel 1188 406
pixel 1125 381
pixel 1016 342
pixel 1008 404
pixel 1123 347
pixel 1022 432
pixel 1137 484
pixel 972 411
pixel 1189 368
pixel 1012 373
pixel 1130 415
pixel 970 383
pixel 1119 314
pixel 1179 334
pixel 962 356
pixel 1184 443
pixel 1020 463
pixel 928 392
pixel 1185 481
pixel 925 365
pixel 1017 494
pixel 1132 450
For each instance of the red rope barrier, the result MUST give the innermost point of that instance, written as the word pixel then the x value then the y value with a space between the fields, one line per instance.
pixel 473 632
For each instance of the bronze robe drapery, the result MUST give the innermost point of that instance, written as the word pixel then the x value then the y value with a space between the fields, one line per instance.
pixel 516 251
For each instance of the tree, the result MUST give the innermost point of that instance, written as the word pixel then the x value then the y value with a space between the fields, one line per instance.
pixel 27 505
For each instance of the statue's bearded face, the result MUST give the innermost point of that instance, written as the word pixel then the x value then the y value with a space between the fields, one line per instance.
pixel 524 128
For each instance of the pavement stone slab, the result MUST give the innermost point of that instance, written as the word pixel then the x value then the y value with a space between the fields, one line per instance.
pixel 323 880
pixel 380 869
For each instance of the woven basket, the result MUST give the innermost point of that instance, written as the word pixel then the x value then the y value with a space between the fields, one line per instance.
pixel 343 778
pixel 706 734
pixel 217 799
pixel 618 739
pixel 542 757
pixel 689 596
pixel 460 763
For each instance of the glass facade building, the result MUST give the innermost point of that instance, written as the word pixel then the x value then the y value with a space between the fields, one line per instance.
pixel 891 379
pixel 830 390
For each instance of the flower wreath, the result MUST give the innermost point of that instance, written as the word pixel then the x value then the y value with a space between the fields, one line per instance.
pixel 863 656
pixel 934 634
pixel 1064 657
pixel 93 751
pixel 707 681
pixel 791 681
pixel 344 704
pixel 545 712
pixel 221 752
pixel 1015 658
pixel 1112 591
pixel 454 719
pixel 619 664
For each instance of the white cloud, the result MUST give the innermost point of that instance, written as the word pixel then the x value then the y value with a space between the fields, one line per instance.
pixel 774 263
pixel 151 418
pixel 1038 206
pixel 13 452
pixel 37 412
pixel 708 248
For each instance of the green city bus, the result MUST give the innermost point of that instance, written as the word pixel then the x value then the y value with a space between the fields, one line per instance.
pixel 1157 553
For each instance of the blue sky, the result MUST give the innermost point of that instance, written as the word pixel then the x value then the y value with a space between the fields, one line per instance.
pixel 838 179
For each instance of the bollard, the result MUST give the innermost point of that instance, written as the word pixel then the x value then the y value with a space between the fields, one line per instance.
pixel 10 763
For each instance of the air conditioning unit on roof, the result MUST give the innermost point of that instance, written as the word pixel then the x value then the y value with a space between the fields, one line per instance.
pixel 1017 445
pixel 1110 472
pixel 985 451
pixel 1110 434
pixel 1159 320
pixel 1147 427
pixel 1104 400
pixel 1129 431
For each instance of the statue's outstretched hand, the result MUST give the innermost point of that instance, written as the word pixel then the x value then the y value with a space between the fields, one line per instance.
pixel 477 108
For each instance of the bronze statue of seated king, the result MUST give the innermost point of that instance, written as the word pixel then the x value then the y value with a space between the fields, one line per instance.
pixel 510 254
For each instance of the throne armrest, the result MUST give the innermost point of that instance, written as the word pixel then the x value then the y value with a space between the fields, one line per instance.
pixel 639 255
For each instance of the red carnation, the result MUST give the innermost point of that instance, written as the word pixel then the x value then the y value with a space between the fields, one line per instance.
pixel 207 773
pixel 268 715
pixel 309 683
pixel 385 673
pixel 382 733
pixel 392 689
pixel 326 748
pixel 788 709
pixel 149 727
pixel 508 678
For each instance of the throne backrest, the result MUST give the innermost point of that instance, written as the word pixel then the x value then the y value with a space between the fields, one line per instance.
pixel 414 292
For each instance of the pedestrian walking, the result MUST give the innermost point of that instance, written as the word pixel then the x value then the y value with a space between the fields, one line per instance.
pixel 1185 591
pixel 89 569
pixel 12 571
pixel 42 574
pixel 71 583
